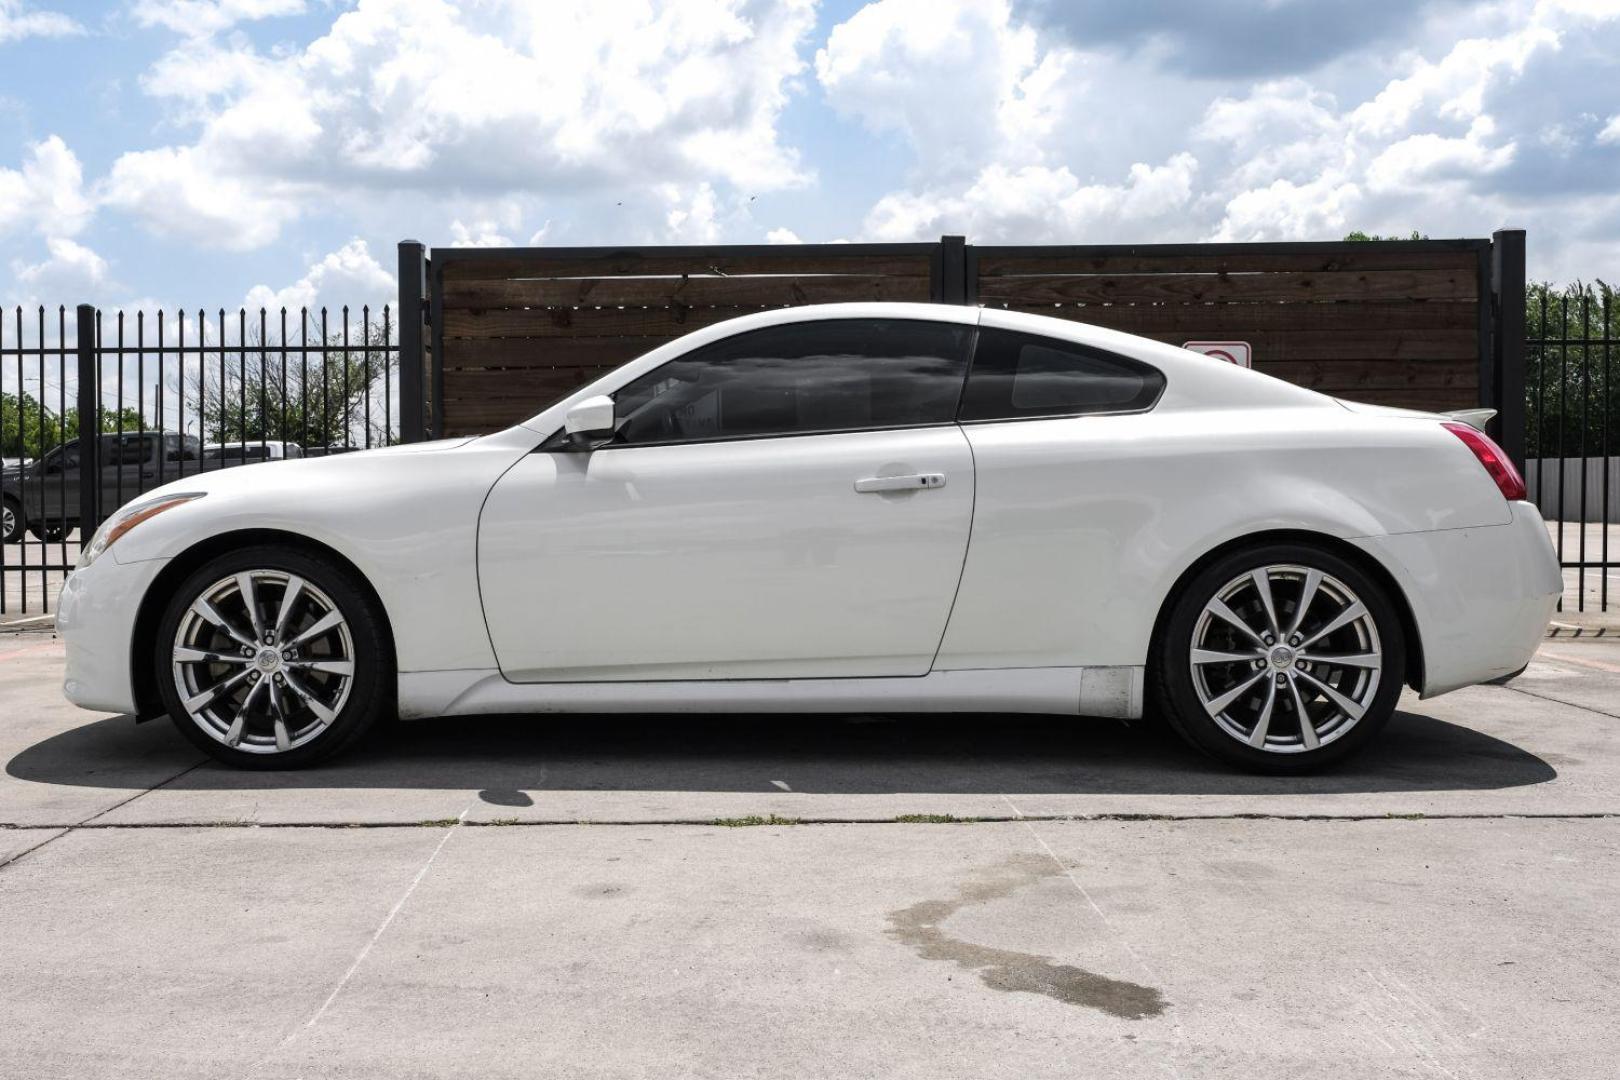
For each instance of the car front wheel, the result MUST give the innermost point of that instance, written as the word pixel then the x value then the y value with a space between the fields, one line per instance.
pixel 1280 659
pixel 269 658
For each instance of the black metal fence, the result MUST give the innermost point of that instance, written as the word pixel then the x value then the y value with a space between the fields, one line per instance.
pixel 172 394
pixel 98 407
pixel 1572 466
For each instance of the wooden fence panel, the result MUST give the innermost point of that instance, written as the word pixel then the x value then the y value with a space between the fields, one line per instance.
pixel 517 330
pixel 1396 324
pixel 1405 323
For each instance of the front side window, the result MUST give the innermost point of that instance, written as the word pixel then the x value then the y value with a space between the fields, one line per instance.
pixel 800 379
pixel 1017 376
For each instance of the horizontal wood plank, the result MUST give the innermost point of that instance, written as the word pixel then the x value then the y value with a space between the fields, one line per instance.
pixel 584 322
pixel 789 259
pixel 752 291
pixel 1360 257
pixel 1339 377
pixel 525 352
pixel 1296 345
pixel 1286 287
pixel 522 388
pixel 1224 321
pixel 1423 400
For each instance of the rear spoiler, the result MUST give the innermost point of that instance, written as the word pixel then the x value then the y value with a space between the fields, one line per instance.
pixel 1474 418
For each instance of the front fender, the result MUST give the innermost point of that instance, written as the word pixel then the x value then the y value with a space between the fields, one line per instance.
pixel 407 521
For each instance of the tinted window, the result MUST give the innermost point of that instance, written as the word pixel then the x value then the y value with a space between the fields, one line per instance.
pixel 236 453
pixel 130 450
pixel 839 375
pixel 1019 375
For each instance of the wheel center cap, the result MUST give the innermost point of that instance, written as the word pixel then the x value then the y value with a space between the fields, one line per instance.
pixel 1282 656
pixel 268 660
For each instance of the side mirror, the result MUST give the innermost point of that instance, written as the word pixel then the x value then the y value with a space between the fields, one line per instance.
pixel 590 419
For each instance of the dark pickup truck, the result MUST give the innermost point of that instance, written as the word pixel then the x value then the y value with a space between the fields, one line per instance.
pixel 43 496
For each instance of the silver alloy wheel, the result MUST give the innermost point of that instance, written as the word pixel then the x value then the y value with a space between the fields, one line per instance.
pixel 263 661
pixel 1285 658
pixel 8 519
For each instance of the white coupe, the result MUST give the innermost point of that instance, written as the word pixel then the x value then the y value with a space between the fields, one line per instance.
pixel 853 507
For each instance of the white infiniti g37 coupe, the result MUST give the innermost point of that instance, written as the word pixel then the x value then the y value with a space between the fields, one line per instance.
pixel 874 507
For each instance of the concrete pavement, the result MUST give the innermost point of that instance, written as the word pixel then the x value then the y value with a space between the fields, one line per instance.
pixel 432 906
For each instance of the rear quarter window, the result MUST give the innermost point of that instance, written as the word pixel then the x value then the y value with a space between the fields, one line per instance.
pixel 1018 376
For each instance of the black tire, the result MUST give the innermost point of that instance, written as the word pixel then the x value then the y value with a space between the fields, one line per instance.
pixel 11 520
pixel 1171 669
pixel 48 532
pixel 370 693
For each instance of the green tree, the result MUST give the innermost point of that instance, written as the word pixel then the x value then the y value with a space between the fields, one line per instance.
pixel 1572 346
pixel 29 429
pixel 334 398
pixel 1358 236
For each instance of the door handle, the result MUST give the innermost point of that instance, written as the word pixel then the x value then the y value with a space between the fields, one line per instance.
pixel 913 482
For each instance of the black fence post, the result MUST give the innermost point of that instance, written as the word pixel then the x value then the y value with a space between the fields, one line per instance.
pixel 1507 340
pixel 953 269
pixel 89 400
pixel 412 359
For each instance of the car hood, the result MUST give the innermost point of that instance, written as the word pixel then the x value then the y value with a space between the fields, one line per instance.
pixel 294 472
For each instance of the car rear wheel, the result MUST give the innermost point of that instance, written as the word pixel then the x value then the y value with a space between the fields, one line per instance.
pixel 273 659
pixel 50 533
pixel 11 521
pixel 1280 659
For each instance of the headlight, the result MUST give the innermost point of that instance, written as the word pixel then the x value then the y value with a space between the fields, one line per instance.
pixel 126 519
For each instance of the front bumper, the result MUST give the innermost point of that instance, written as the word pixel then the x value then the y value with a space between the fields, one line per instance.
pixel 96 618
pixel 1480 597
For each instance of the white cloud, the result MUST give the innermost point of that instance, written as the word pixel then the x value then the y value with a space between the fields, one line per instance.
pixel 1420 152
pixel 1004 150
pixel 182 192
pixel 1418 161
pixel 495 99
pixel 960 79
pixel 1037 204
pixel 691 219
pixel 199 18
pixel 18 20
pixel 1454 87
pixel 47 194
pixel 782 236
pixel 349 275
pixel 482 233
pixel 1611 131
pixel 1284 210
pixel 71 272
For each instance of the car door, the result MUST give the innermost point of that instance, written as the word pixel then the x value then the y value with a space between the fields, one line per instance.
pixel 54 489
pixel 793 502
pixel 128 467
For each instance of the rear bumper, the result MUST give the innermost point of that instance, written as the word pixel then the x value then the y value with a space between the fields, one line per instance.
pixel 1480 597
pixel 96 618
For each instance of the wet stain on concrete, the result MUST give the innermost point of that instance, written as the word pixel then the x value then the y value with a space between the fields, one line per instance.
pixel 921 926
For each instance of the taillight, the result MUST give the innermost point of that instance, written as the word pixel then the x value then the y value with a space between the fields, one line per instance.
pixel 1496 462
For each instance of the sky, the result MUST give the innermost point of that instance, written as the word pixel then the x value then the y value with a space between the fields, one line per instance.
pixel 213 153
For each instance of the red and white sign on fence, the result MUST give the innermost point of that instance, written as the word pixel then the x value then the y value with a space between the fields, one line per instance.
pixel 1233 352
